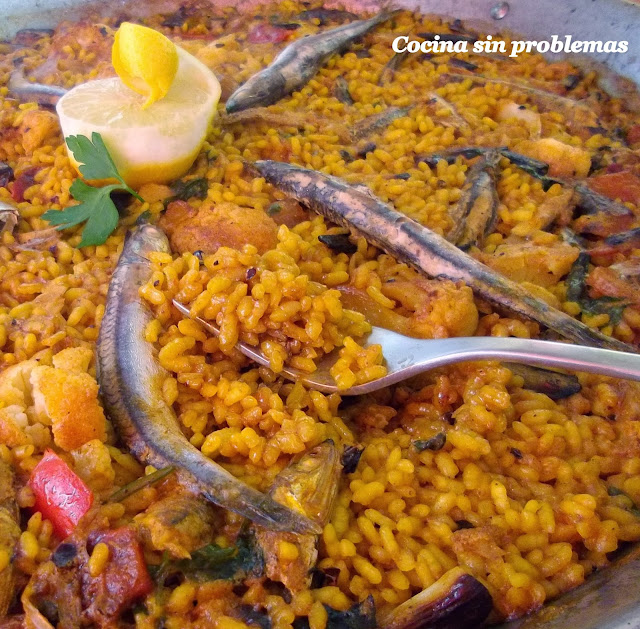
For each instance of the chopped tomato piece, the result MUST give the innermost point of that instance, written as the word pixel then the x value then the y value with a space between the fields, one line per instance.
pixel 25 180
pixel 61 495
pixel 615 168
pixel 623 185
pixel 633 134
pixel 125 577
pixel 267 34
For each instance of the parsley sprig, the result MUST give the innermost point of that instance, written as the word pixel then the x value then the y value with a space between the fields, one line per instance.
pixel 96 206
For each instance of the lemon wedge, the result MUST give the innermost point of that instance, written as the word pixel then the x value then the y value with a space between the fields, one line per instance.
pixel 152 144
pixel 145 60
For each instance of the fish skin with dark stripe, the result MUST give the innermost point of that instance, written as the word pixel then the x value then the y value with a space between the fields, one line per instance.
pixel 476 212
pixel 421 248
pixel 297 64
pixel 557 386
pixel 630 237
pixel 379 121
pixel 130 379
pixel 45 95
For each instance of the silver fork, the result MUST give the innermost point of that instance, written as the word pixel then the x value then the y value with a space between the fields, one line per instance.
pixel 406 357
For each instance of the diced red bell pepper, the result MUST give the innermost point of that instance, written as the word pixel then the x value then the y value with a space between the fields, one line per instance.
pixel 125 577
pixel 61 495
pixel 267 34
pixel 623 185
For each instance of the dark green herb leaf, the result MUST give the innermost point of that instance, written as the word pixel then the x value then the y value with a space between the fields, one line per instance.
pixel 159 573
pixel 185 190
pixel 208 558
pixel 140 483
pixel 143 218
pixel 273 209
pixel 212 562
pixel 577 291
pixel 612 306
pixel 633 509
pixel 358 616
pixel 435 443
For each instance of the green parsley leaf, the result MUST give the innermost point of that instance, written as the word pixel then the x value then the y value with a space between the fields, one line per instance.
pixel 212 562
pixel 96 207
pixel 93 157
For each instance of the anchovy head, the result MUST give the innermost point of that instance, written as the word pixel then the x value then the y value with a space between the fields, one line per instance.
pixel 310 484
pixel 264 88
pixel 142 241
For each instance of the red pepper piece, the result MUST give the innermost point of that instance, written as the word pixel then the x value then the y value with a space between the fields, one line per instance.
pixel 125 577
pixel 633 134
pixel 623 185
pixel 61 495
pixel 267 34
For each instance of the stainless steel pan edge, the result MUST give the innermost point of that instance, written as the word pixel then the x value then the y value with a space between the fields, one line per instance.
pixel 537 19
pixel 610 599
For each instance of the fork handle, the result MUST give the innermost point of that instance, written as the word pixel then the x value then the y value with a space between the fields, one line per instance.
pixel 535 352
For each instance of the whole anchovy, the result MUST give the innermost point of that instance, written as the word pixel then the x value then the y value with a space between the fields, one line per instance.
pixel 9 216
pixel 420 247
pixel 533 166
pixel 458 120
pixel 450 156
pixel 454 37
pixel 464 65
pixel 623 238
pixel 476 213
pixel 6 174
pixel 593 202
pixel 556 385
pixel 579 115
pixel 325 15
pixel 39 93
pixel 130 384
pixel 378 121
pixel 341 91
pixel 392 66
pixel 311 482
pixel 297 63
pixel 590 201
